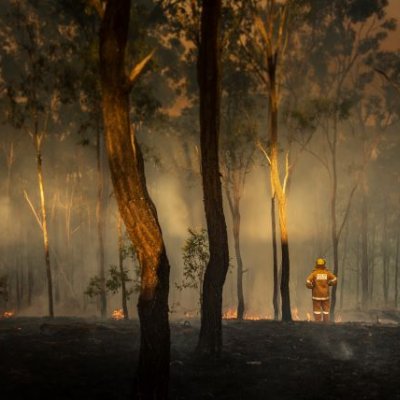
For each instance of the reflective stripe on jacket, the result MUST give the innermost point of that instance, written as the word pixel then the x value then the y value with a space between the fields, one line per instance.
pixel 319 281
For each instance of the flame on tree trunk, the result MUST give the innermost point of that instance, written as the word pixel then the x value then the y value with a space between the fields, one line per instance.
pixel 208 73
pixel 135 205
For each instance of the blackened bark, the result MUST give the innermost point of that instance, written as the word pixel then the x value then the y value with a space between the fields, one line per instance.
pixel 210 339
pixel 275 296
pixel 100 224
pixel 121 268
pixel 385 258
pixel 239 262
pixel 135 205
pixel 396 274
pixel 364 252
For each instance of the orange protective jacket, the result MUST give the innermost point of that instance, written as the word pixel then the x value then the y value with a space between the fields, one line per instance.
pixel 319 281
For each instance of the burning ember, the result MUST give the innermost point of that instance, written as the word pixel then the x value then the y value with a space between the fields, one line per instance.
pixel 229 314
pixel 295 314
pixel 8 314
pixel 232 314
pixel 118 314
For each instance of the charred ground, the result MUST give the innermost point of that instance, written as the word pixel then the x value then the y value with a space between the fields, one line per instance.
pixel 69 358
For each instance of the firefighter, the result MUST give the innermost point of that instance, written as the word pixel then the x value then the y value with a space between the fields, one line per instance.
pixel 319 281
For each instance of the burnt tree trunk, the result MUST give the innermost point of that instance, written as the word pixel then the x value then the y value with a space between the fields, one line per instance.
pixel 396 273
pixel 364 251
pixel 100 224
pixel 208 75
pixel 121 268
pixel 239 262
pixel 385 258
pixel 279 189
pixel 275 296
pixel 135 205
pixel 37 138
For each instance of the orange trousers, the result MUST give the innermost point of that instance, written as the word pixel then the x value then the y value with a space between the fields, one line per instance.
pixel 321 310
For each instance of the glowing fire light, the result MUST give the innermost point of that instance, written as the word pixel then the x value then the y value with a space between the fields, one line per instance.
pixel 338 318
pixel 8 314
pixel 229 314
pixel 232 314
pixel 118 314
pixel 295 314
pixel 308 317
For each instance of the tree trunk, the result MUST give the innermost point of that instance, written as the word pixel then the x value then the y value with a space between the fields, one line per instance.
pixel 239 282
pixel 279 191
pixel 135 205
pixel 208 74
pixel 37 142
pixel 385 257
pixel 100 224
pixel 372 265
pixel 275 297
pixel 364 251
pixel 334 231
pixel 121 268
pixel 396 276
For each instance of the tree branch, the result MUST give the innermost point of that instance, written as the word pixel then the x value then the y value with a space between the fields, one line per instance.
pixel 138 68
pixel 33 210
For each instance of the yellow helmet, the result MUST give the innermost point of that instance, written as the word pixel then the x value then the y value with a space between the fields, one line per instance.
pixel 320 262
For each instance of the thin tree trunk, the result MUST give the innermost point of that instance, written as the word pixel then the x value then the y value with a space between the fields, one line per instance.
pixel 208 74
pixel 397 266
pixel 121 268
pixel 239 282
pixel 385 257
pixel 37 142
pixel 279 191
pixel 100 224
pixel 364 246
pixel 334 230
pixel 234 206
pixel 275 296
pixel 372 265
pixel 135 205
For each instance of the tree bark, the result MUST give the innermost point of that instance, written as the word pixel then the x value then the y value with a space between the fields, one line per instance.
pixel 37 142
pixel 208 74
pixel 275 296
pixel 135 205
pixel 385 259
pixel 396 274
pixel 364 251
pixel 121 268
pixel 279 190
pixel 239 281
pixel 100 224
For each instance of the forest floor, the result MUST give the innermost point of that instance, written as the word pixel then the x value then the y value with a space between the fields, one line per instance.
pixel 71 358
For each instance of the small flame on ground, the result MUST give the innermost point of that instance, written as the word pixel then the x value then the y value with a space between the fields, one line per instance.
pixel 308 317
pixel 8 314
pixel 229 314
pixel 232 314
pixel 338 318
pixel 118 314
pixel 295 314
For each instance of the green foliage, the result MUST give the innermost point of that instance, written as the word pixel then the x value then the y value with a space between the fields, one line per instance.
pixel 94 287
pixel 195 259
pixel 115 280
